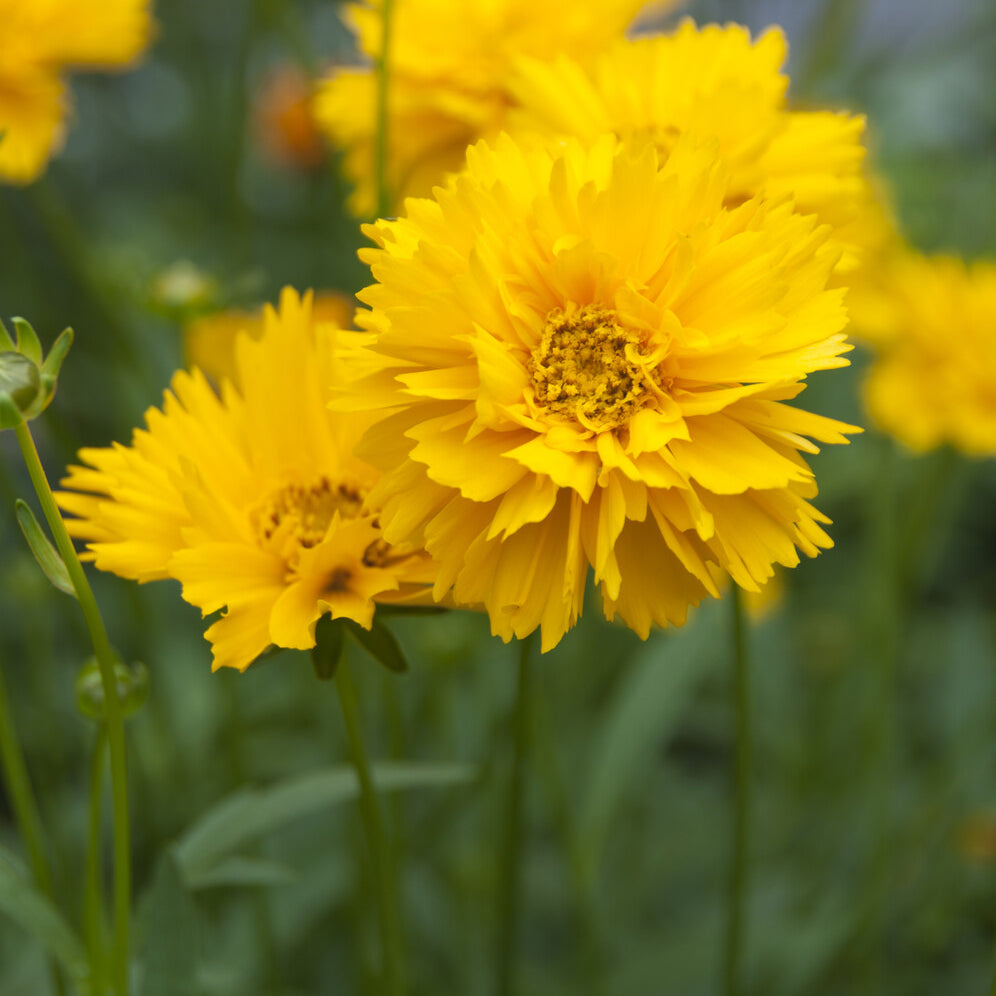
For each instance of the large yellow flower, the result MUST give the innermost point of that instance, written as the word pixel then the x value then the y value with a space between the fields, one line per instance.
pixel 587 356
pixel 710 81
pixel 39 41
pixel 252 500
pixel 450 64
pixel 934 379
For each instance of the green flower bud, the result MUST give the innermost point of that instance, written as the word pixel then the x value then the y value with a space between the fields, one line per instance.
pixel 27 381
pixel 132 688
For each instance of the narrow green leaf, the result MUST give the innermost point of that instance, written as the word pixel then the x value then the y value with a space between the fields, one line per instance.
pixel 21 901
pixel 650 700
pixel 41 546
pixel 245 871
pixel 171 934
pixel 248 814
pixel 380 643
pixel 28 342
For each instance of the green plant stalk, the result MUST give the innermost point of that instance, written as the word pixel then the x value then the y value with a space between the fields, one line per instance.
pixel 385 879
pixel 93 910
pixel 742 794
pixel 591 954
pixel 510 869
pixel 22 796
pixel 383 84
pixel 112 704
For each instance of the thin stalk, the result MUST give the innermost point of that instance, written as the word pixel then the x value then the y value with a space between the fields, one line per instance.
pixel 384 198
pixel 511 871
pixel 93 909
pixel 591 953
pixel 22 796
pixel 742 791
pixel 385 879
pixel 112 704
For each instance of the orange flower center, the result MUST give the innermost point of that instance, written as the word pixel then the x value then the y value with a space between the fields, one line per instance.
pixel 589 367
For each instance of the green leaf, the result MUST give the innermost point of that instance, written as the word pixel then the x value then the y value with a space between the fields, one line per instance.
pixel 41 546
pixel 250 813
pixel 650 700
pixel 171 935
pixel 380 643
pixel 28 342
pixel 245 871
pixel 34 912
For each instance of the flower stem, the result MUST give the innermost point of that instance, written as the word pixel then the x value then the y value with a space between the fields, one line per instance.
pixel 93 911
pixel 112 705
pixel 15 776
pixel 373 825
pixel 384 198
pixel 741 836
pixel 508 900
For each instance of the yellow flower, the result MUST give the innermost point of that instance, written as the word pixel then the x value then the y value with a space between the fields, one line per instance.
pixel 209 340
pixel 449 64
pixel 934 379
pixel 251 500
pixel 39 41
pixel 712 82
pixel 586 357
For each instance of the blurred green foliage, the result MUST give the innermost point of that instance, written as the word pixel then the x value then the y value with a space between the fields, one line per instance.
pixel 874 829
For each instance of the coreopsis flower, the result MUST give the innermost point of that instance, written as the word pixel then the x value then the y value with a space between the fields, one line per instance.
pixel 585 357
pixel 40 40
pixel 284 120
pixel 252 500
pixel 933 323
pixel 449 69
pixel 710 81
pixel 209 340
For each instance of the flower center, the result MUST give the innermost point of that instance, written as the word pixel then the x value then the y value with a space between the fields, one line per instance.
pixel 591 368
pixel 301 513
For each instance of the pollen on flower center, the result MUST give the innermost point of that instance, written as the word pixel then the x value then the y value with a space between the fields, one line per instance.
pixel 301 513
pixel 590 367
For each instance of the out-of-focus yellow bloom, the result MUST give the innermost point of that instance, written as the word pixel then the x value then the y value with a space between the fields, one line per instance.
pixel 285 124
pixel 39 41
pixel 449 69
pixel 581 358
pixel 209 340
pixel 710 82
pixel 252 500
pixel 933 323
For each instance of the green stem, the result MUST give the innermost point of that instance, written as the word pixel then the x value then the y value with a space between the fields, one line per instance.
pixel 741 821
pixel 112 704
pixel 15 774
pixel 384 198
pixel 591 954
pixel 93 910
pixel 385 881
pixel 511 874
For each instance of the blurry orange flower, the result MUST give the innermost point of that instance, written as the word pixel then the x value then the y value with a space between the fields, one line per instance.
pixel 39 41
pixel 285 123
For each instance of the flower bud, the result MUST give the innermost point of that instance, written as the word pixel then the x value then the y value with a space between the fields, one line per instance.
pixel 132 688
pixel 27 382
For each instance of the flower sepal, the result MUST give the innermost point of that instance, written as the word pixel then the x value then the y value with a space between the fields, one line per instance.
pixel 27 379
